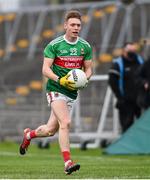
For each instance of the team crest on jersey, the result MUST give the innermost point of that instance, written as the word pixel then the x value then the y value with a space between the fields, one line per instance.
pixel 82 51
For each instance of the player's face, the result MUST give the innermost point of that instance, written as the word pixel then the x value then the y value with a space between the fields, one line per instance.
pixel 72 28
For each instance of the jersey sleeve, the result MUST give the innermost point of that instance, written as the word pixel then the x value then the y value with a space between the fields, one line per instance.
pixel 49 51
pixel 88 55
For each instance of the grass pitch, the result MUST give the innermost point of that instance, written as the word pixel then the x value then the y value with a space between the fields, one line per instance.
pixel 48 164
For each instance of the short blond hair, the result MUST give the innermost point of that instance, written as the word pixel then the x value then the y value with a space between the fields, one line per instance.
pixel 72 14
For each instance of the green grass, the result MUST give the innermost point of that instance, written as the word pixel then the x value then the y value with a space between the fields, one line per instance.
pixel 48 164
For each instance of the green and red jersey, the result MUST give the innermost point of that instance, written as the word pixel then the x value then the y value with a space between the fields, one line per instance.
pixel 67 56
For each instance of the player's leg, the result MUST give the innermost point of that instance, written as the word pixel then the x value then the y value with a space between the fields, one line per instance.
pixel 48 129
pixel 61 111
pixel 45 130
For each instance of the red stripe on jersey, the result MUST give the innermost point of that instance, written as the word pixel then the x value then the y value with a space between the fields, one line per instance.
pixel 69 61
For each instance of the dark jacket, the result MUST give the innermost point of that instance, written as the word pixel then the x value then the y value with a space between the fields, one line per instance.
pixel 143 76
pixel 129 84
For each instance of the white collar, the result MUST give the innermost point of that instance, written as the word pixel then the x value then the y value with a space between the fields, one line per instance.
pixel 69 41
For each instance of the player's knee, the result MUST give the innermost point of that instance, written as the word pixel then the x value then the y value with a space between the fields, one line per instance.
pixel 65 125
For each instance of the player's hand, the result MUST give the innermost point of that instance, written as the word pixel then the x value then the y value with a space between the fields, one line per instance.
pixel 67 83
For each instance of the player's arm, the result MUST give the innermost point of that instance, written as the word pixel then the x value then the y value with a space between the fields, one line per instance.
pixel 47 71
pixel 87 67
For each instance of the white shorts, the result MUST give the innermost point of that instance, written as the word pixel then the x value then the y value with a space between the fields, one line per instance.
pixel 54 96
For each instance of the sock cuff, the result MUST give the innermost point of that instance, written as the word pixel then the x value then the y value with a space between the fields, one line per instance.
pixel 66 155
pixel 31 135
pixel 67 162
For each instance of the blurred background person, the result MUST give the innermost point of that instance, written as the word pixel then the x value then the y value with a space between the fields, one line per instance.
pixel 122 82
pixel 143 83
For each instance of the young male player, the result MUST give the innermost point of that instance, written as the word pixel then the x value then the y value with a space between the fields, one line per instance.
pixel 60 56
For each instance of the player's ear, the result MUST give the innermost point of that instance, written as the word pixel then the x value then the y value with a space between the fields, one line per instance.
pixel 65 25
